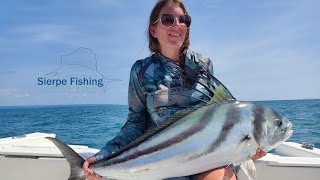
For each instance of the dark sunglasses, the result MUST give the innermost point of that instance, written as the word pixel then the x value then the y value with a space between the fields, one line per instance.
pixel 168 20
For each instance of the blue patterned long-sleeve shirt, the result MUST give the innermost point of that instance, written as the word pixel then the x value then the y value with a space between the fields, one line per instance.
pixel 158 88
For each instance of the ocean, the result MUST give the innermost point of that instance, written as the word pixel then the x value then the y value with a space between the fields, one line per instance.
pixel 94 125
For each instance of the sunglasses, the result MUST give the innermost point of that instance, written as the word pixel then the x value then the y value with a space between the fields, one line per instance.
pixel 168 20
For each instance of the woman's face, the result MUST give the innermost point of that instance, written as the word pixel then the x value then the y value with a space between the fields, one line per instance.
pixel 169 38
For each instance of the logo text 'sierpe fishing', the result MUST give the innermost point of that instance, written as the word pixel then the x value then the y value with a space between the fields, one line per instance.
pixel 78 70
pixel 72 81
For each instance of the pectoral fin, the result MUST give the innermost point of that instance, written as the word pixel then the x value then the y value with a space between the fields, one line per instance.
pixel 249 168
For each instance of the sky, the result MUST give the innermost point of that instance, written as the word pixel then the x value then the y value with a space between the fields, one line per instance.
pixel 261 50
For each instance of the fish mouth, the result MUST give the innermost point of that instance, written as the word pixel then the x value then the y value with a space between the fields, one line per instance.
pixel 289 132
pixel 286 134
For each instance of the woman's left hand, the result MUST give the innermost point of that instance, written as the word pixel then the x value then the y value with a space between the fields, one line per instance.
pixel 259 154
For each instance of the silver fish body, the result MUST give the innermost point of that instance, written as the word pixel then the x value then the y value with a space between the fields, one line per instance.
pixel 215 135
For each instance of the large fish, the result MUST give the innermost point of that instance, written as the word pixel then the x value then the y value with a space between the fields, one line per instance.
pixel 218 134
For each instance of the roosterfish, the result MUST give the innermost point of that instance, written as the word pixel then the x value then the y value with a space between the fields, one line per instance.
pixel 223 132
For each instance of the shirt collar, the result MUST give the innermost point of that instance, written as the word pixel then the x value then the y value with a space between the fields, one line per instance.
pixel 160 57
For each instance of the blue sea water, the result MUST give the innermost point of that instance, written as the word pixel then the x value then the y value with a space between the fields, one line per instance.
pixel 94 125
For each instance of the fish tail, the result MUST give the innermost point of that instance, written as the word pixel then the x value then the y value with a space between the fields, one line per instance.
pixel 75 161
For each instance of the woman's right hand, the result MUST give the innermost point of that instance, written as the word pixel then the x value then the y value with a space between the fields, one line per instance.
pixel 90 174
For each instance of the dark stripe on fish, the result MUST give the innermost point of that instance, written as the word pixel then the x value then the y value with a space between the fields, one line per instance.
pixel 233 116
pixel 258 121
pixel 207 116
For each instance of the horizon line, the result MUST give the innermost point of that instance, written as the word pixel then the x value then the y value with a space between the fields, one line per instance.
pixel 56 105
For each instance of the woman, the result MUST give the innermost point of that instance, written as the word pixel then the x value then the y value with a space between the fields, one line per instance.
pixel 172 79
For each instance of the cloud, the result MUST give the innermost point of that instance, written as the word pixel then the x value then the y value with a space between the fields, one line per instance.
pixel 7 72
pixel 272 57
pixel 113 3
pixel 246 40
pixel 42 33
pixel 278 4
pixel 14 92
pixel 210 4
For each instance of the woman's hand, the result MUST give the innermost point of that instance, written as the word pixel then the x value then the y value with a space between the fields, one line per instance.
pixel 259 154
pixel 90 174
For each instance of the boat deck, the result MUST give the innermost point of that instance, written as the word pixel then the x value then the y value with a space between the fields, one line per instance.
pixel 33 157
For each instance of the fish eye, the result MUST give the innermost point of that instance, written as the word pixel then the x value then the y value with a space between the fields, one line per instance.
pixel 279 121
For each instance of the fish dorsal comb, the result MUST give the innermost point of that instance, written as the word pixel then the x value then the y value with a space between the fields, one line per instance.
pixel 178 115
pixel 221 94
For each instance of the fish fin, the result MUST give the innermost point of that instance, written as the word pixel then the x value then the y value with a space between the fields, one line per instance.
pixel 178 115
pixel 249 168
pixel 221 94
pixel 75 161
pixel 228 165
pixel 244 142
